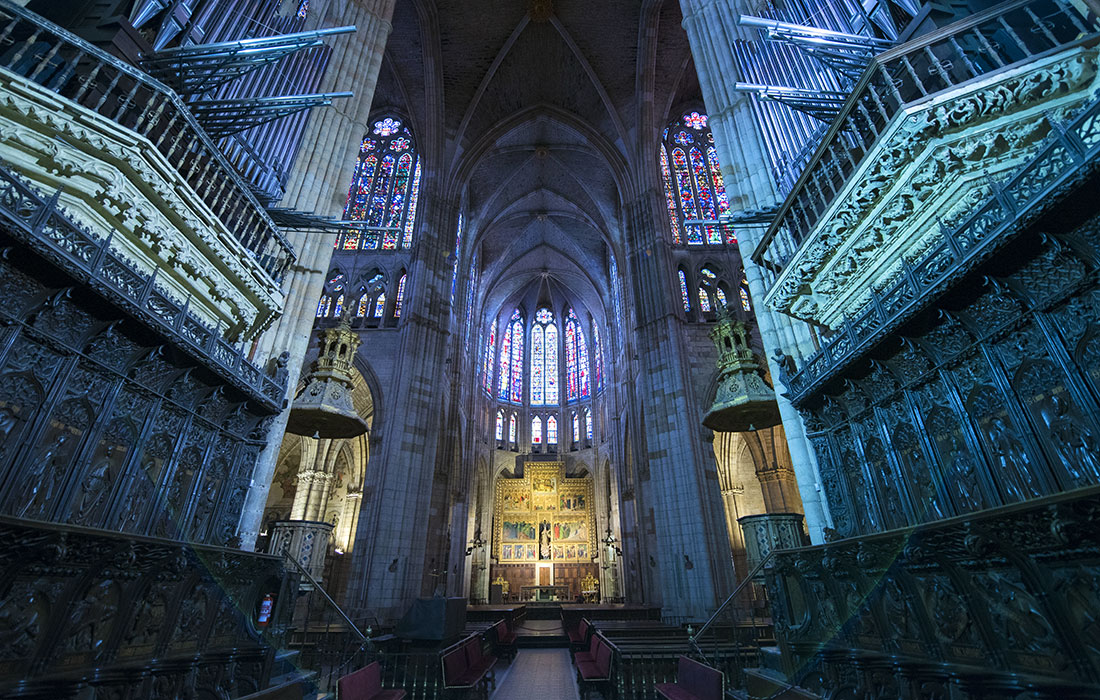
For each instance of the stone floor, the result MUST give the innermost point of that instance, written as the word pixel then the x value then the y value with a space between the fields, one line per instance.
pixel 537 674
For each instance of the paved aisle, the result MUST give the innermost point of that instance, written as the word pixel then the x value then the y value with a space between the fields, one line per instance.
pixel 538 674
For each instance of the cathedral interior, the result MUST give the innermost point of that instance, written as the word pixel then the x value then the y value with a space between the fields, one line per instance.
pixel 549 348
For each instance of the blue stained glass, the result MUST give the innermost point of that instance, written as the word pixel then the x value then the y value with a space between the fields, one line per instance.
pixel 571 358
pixel 551 364
pixel 361 310
pixel 551 430
pixel 384 189
pixel 588 424
pixel 500 425
pixel 684 290
pixel 704 300
pixel 721 294
pixel 487 367
pixel 410 215
pixel 538 359
pixel 582 364
pixel 683 139
pixel 512 428
pixel 504 388
pixel 745 305
pixel 598 350
pixel 517 362
pixel 458 249
pixel 400 297
pixel 379 305
pixel 322 306
pixel 576 428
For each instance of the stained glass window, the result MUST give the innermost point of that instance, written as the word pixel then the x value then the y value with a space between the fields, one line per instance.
pixel 379 305
pixel 487 366
pixel 615 298
pixel 384 188
pixel 400 296
pixel 517 359
pixel 684 290
pixel 512 428
pixel 576 360
pixel 458 248
pixel 544 359
pixel 704 301
pixel 693 182
pixel 303 9
pixel 551 430
pixel 576 428
pixel 361 310
pixel 504 387
pixel 322 306
pixel 588 424
pixel 597 349
pixel 511 361
pixel 500 425
pixel 721 294
pixel 745 305
pixel 536 431
pixel 338 308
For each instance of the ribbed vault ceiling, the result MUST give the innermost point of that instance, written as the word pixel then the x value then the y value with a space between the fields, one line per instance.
pixel 542 119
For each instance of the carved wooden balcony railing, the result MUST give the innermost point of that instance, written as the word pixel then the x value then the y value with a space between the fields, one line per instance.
pixel 92 78
pixel 45 229
pixel 987 42
pixel 995 605
pixel 1069 156
pixel 90 613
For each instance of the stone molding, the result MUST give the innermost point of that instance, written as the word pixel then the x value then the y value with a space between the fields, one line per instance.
pixel 118 184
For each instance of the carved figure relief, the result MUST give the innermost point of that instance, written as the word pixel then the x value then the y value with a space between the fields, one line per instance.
pixel 1073 441
pixel 1012 466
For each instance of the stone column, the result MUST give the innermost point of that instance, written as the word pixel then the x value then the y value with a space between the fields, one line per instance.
pixel 319 183
pixel 405 513
pixel 711 27
pixel 682 506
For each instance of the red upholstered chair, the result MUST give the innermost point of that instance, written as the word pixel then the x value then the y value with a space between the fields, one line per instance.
pixel 590 655
pixel 366 684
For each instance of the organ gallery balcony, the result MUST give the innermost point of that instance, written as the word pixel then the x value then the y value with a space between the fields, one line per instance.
pixel 934 130
pixel 129 162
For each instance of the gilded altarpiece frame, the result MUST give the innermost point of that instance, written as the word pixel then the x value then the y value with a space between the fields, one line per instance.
pixel 544 516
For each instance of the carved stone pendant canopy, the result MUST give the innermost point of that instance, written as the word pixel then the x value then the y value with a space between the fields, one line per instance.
pixel 324 407
pixel 744 400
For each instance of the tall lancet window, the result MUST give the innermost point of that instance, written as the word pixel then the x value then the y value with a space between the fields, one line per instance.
pixel 458 249
pixel 500 424
pixel 544 359
pixel 551 431
pixel 512 428
pixel 384 189
pixel 511 360
pixel 536 431
pixel 576 360
pixel 487 365
pixel 597 350
pixel 694 187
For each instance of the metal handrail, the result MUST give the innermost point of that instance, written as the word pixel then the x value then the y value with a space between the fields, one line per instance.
pixel 317 586
pixel 745 581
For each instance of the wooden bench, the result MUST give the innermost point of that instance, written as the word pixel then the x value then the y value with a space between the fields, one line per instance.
pixel 594 666
pixel 366 684
pixel 466 668
pixel 694 681
pixel 578 637
pixel 505 636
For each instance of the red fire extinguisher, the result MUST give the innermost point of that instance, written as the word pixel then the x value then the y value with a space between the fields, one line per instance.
pixel 266 606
